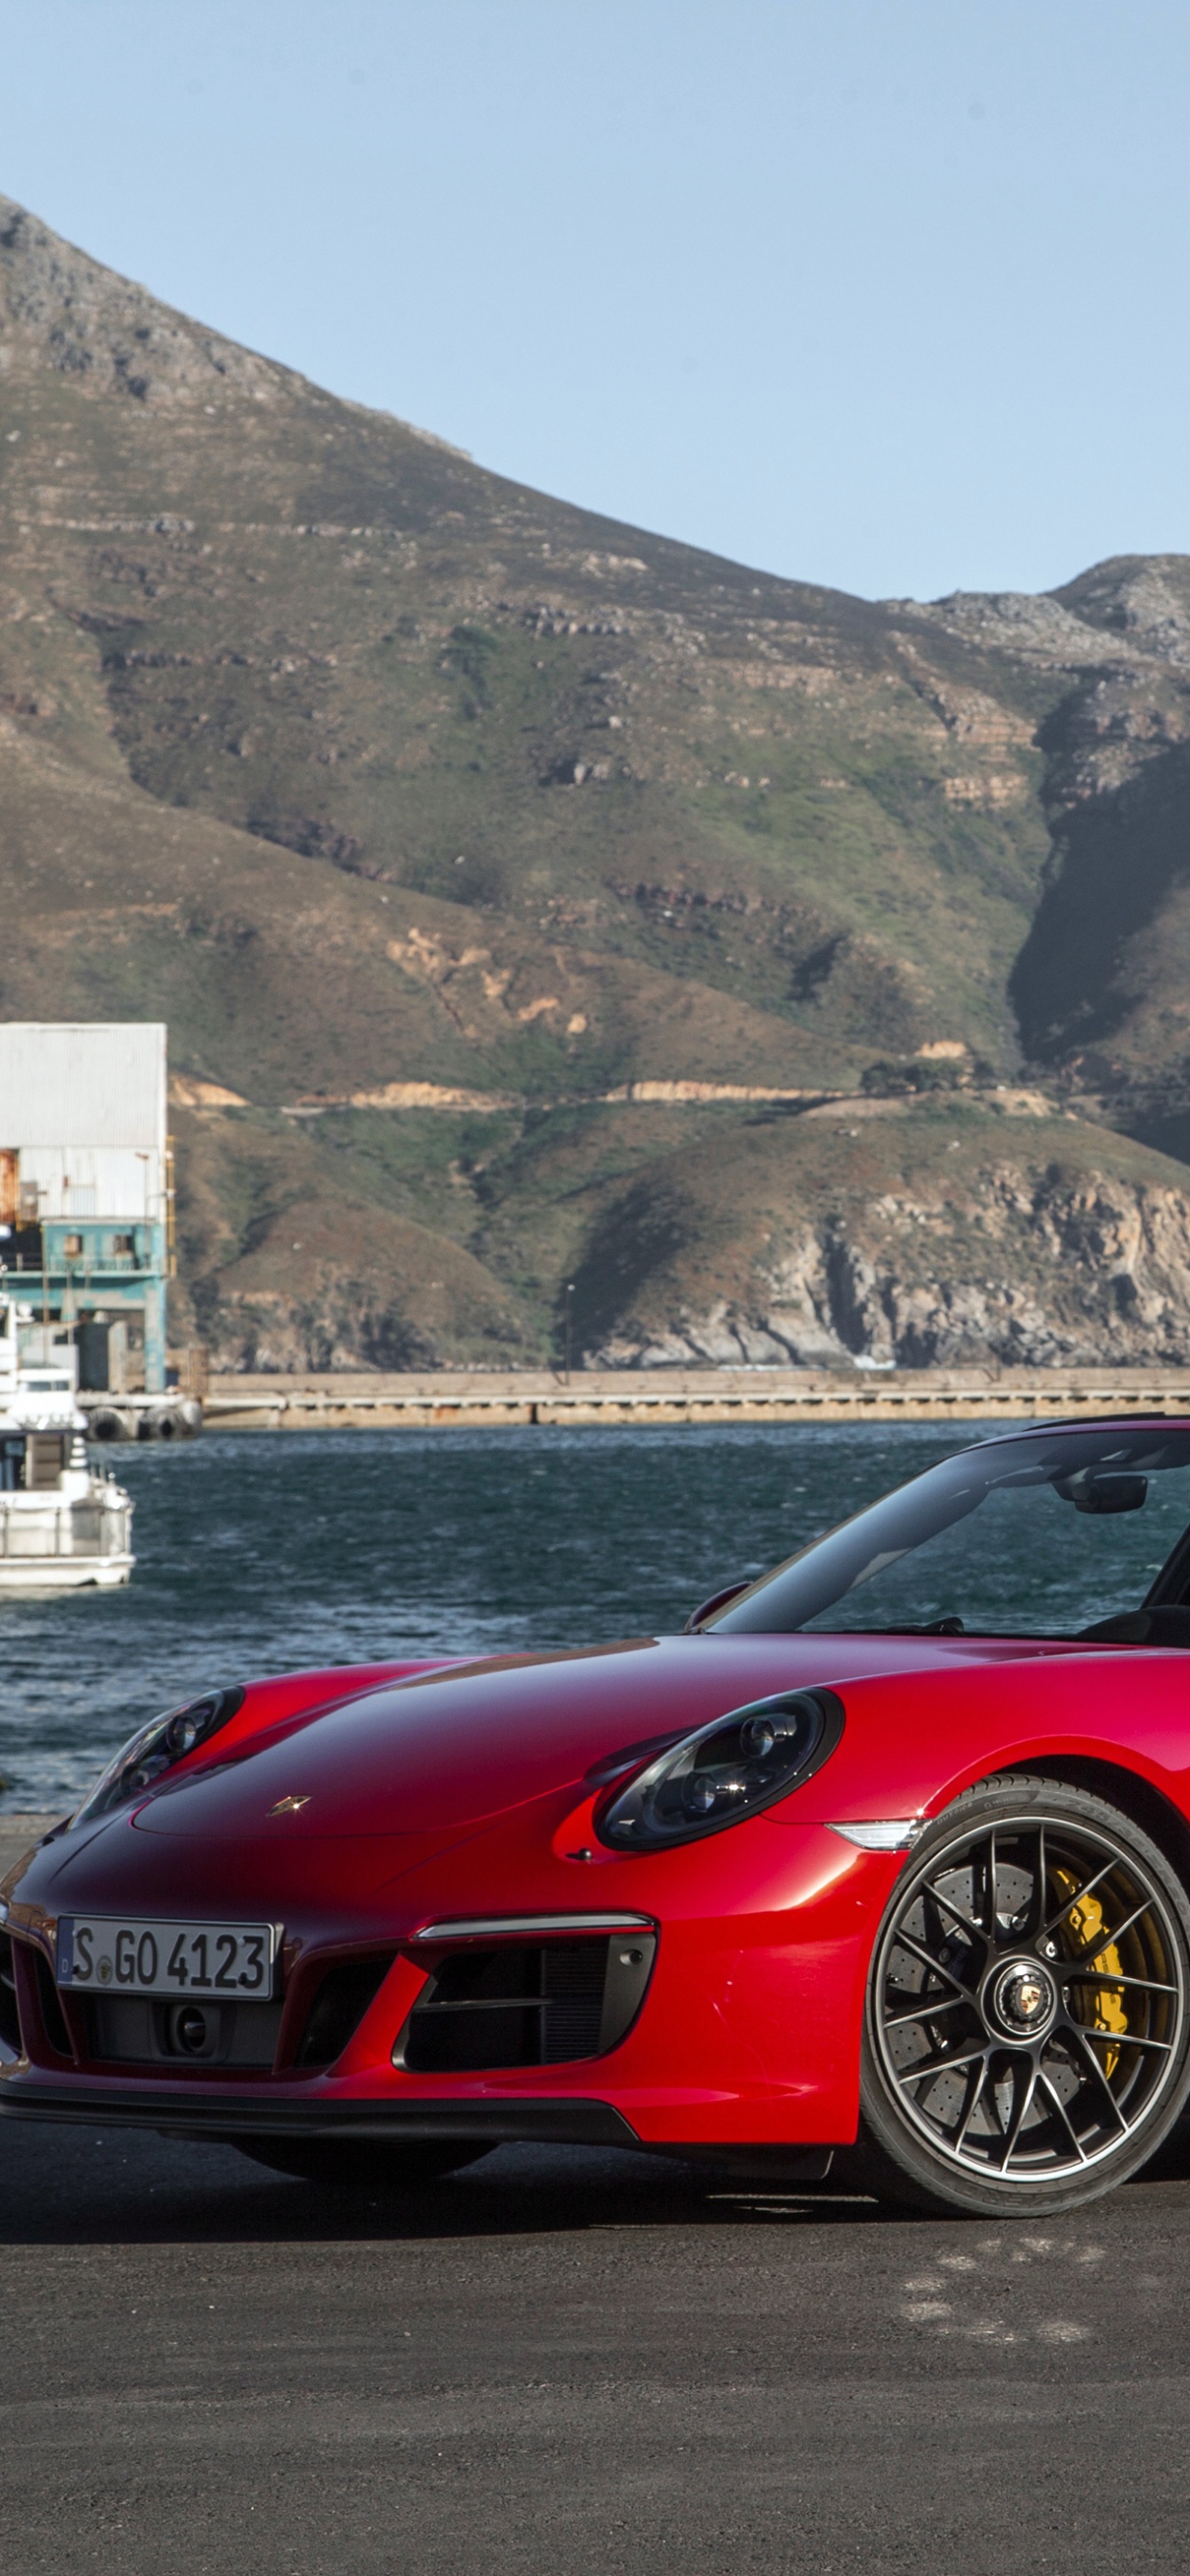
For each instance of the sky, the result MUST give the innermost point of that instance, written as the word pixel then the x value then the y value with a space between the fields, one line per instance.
pixel 888 294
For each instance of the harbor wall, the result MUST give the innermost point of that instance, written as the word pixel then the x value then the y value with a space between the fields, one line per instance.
pixel 449 1399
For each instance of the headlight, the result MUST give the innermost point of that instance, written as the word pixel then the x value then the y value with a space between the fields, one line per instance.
pixel 725 1771
pixel 155 1748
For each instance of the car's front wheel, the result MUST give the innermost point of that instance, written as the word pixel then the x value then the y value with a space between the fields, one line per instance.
pixel 1027 2033
pixel 360 2163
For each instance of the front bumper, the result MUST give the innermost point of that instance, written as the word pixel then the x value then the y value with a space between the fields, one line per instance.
pixel 748 2035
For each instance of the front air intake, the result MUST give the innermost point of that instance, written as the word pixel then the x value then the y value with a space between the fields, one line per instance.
pixel 53 2019
pixel 531 2003
pixel 10 2020
pixel 339 2007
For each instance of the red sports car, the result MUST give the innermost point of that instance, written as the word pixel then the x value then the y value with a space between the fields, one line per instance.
pixel 891 1846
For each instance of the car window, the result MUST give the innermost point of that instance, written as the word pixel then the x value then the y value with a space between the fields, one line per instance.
pixel 1041 1535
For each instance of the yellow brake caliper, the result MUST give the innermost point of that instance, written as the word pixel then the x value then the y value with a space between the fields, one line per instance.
pixel 1099 2007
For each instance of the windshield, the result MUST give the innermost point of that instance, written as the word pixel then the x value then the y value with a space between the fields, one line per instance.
pixel 1043 1535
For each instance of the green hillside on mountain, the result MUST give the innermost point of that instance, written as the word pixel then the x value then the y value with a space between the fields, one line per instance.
pixel 477 850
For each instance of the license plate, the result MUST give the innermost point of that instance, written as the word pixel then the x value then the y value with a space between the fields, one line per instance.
pixel 100 1954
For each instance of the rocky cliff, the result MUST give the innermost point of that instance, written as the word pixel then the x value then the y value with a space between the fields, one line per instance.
pixel 984 1247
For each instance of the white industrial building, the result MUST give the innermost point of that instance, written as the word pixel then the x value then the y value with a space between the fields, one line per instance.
pixel 83 1117
pixel 85 1187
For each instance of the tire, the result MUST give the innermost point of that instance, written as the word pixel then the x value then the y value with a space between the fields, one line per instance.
pixel 359 2163
pixel 108 1423
pixel 1046 1941
pixel 161 1424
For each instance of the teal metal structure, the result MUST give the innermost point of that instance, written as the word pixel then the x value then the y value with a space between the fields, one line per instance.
pixel 116 1271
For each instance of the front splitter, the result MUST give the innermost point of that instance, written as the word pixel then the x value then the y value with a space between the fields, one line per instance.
pixel 566 2121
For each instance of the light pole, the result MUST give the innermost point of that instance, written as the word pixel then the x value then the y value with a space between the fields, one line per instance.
pixel 569 1324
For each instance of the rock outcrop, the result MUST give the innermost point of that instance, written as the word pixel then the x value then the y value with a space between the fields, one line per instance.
pixel 1026 1269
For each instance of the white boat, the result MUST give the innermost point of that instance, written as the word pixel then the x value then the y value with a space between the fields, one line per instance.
pixel 62 1523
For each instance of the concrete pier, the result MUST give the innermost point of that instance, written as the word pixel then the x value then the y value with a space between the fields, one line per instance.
pixel 18 1829
pixel 454 1399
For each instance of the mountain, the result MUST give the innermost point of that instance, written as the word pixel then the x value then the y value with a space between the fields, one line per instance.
pixel 515 884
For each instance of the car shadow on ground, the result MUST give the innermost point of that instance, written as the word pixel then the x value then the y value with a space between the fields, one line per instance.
pixel 84 2187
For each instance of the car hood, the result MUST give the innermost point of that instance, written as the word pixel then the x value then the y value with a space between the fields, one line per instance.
pixel 451 1749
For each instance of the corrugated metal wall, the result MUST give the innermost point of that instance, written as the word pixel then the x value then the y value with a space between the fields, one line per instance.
pixel 89 1181
pixel 94 1083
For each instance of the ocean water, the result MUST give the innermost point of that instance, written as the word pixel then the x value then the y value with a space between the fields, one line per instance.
pixel 262 1552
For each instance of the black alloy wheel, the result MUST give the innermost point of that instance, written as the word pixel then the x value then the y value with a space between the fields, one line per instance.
pixel 361 2163
pixel 1027 2035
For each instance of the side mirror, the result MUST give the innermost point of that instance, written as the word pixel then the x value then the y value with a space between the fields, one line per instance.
pixel 716 1601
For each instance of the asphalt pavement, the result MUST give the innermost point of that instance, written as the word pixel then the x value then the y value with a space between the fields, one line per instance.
pixel 561 2361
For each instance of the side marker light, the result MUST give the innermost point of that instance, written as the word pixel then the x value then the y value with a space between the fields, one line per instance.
pixel 895 1833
